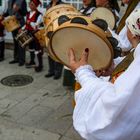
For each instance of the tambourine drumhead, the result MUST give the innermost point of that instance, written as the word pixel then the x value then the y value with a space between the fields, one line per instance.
pixel 79 38
pixel 11 23
pixel 105 14
pixel 56 10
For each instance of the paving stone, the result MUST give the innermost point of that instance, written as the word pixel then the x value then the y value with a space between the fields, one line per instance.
pixel 12 131
pixel 71 133
pixel 35 116
pixel 59 121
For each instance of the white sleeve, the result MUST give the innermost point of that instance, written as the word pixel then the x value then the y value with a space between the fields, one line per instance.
pixel 124 43
pixel 38 22
pixel 99 102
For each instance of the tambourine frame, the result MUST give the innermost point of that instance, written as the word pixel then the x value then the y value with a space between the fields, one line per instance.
pixel 59 7
pixel 100 8
pixel 91 28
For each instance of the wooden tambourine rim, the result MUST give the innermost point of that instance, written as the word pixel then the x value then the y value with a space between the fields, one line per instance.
pixel 97 31
pixel 99 8
pixel 59 7
pixel 51 53
pixel 64 13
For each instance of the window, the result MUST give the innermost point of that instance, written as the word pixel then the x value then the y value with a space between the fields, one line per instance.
pixel 76 3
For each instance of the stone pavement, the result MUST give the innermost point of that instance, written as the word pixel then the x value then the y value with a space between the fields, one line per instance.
pixel 41 110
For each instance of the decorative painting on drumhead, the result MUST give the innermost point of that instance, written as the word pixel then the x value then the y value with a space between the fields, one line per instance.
pixel 100 52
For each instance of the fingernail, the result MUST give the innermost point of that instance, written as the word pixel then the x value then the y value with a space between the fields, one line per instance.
pixel 86 50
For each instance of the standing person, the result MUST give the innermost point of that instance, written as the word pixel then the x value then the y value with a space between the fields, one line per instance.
pixel 19 9
pixel 55 68
pixel 122 29
pixel 2 42
pixel 3 9
pixel 112 5
pixel 88 7
pixel 33 21
pixel 107 111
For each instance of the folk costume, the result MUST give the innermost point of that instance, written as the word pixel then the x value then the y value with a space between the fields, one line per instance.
pixel 35 19
pixel 107 111
pixel 122 30
pixel 19 52
pixel 55 68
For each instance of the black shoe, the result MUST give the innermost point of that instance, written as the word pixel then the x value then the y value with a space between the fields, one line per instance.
pixel 1 59
pixel 49 75
pixel 56 77
pixel 30 65
pixel 38 69
pixel 13 62
pixel 20 64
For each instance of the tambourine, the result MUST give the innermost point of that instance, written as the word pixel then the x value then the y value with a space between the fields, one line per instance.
pixel 105 14
pixel 57 10
pixel 80 33
pixel 11 23
pixel 40 36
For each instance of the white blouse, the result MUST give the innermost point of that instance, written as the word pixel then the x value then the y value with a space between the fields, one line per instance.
pixel 106 111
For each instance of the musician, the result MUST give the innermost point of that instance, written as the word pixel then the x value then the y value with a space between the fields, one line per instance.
pixel 107 111
pixel 88 7
pixel 19 9
pixel 112 5
pixel 122 30
pixel 2 42
pixel 33 20
pixel 55 68
pixel 2 31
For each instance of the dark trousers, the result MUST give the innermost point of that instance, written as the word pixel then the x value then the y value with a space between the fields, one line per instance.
pixel 55 67
pixel 2 49
pixel 19 52
pixel 34 46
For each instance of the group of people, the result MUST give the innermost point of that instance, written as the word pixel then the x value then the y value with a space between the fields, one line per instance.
pixel 109 109
pixel 104 110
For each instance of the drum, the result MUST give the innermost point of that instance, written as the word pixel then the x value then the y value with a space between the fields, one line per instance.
pixel 11 23
pixel 40 35
pixel 52 13
pixel 81 35
pixel 105 14
pixel 51 18
pixel 24 38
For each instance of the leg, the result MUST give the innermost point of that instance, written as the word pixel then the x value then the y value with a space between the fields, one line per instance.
pixel 31 63
pixel 2 49
pixel 51 67
pixel 58 70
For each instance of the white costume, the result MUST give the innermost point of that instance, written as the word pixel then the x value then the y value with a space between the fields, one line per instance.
pixel 106 111
pixel 122 37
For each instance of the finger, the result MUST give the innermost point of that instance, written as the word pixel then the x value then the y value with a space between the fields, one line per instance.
pixel 84 57
pixel 71 55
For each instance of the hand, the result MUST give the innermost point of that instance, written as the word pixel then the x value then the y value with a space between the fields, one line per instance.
pixel 106 72
pixel 20 30
pixel 1 17
pixel 76 64
pixel 15 8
